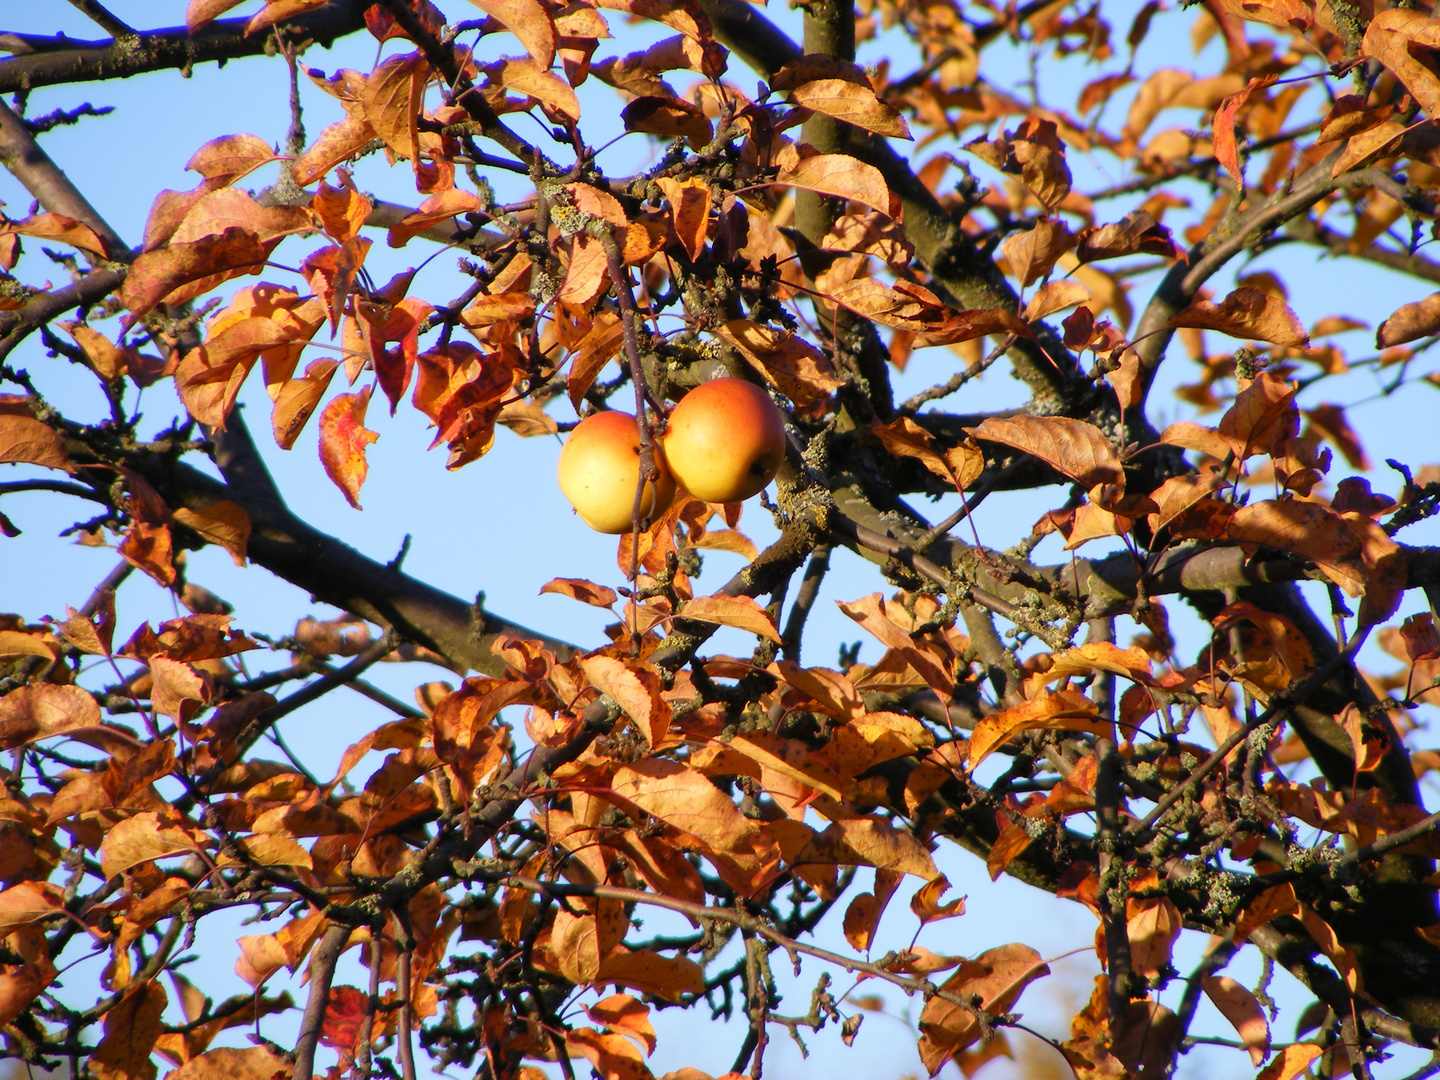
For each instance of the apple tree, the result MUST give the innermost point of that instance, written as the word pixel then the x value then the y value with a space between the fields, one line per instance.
pixel 1188 693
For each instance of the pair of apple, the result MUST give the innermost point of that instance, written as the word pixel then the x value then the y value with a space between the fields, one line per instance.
pixel 723 443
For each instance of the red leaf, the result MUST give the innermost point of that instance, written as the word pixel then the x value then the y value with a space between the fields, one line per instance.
pixel 343 439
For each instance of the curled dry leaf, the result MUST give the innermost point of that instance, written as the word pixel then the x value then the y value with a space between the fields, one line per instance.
pixel 997 977
pixel 43 710
pixel 1058 710
pixel 1246 313
pixel 789 363
pixel 668 117
pixel 224 160
pixel 60 229
pixel 961 465
pixel 1410 322
pixel 181 271
pixel 1137 233
pixel 1394 37
pixel 25 440
pixel 870 841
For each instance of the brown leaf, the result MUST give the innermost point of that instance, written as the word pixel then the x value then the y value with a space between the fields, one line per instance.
pixel 852 103
pixel 343 439
pixel 1262 418
pixel 1397 38
pixel 592 353
pixel 669 118
pixel 1055 296
pixel 223 523
pixel 142 839
pixel 392 98
pixel 587 592
pixel 529 22
pixel 525 76
pixel 1410 322
pixel 343 210
pixel 1291 1062
pixel 624 687
pixel 338 142
pixel 231 1063
pixel 623 1014
pixel 926 902
pixel 224 160
pixel 1059 710
pixel 199 13
pixel 1239 1006
pixel 181 272
pixel 870 841
pixel 1032 254
pixel 666 977
pixel 843 177
pixel 689 210
pixel 57 227
pixel 42 710
pixel 131 1028
pixel 297 400
pixel 108 359
pixel 741 612
pixel 1246 313
pixel 960 466
pixel 1078 449
pixel 1137 233
pixel 997 977
pixel 26 440
pixel 861 917
pixel 789 363
pixel 1226 151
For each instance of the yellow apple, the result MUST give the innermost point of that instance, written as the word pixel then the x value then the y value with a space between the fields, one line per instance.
pixel 600 467
pixel 725 440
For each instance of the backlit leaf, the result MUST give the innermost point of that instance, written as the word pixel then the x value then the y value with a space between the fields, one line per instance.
pixel 343 439
pixel 854 104
pixel 1246 313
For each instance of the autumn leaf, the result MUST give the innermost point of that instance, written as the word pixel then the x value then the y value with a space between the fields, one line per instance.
pixel 626 1016
pixel 960 466
pixel 997 977
pixel 844 177
pixel 297 400
pixel 529 22
pixel 1291 1062
pixel 690 211
pixel 1394 37
pixel 624 687
pixel 1059 710
pixel 1076 448
pixel 26 440
pixel 669 118
pixel 181 271
pixel 1137 233
pixel 343 439
pixel 1240 1007
pixel 526 76
pixel 1410 322
pixel 61 229
pixel 788 362
pixel 131 1027
pixel 1246 313
pixel 1226 151
pixel 852 103
pixel 741 612
pixel 587 592
pixel 870 841
pixel 224 160
pixel 43 710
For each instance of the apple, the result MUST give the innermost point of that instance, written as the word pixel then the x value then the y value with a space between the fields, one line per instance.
pixel 600 467
pixel 725 440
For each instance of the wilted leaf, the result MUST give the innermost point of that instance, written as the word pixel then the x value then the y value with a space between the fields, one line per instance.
pixel 960 466
pixel 26 440
pixel 1060 710
pixel 690 211
pixel 669 118
pixel 1394 37
pixel 57 227
pixel 789 363
pixel 870 841
pixel 181 271
pixel 1226 151
pixel 854 104
pixel 587 592
pixel 525 76
pixel 1410 322
pixel 1136 233
pixel 223 523
pixel 624 687
pixel 1239 1006
pixel 997 977
pixel 43 710
pixel 343 439
pixel 529 22
pixel 224 160
pixel 143 838
pixel 1291 1062
pixel 131 1028
pixel 844 177
pixel 1246 313
pixel 1076 448
pixel 741 612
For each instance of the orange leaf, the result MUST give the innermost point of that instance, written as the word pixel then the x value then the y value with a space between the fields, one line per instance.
pixel 1410 322
pixel 1239 1006
pixel 624 687
pixel 224 160
pixel 223 523
pixel 42 710
pixel 529 22
pixel 1078 449
pixel 587 592
pixel 690 211
pixel 1291 1062
pixel 789 363
pixel 57 227
pixel 131 1028
pixel 26 440
pixel 852 103
pixel 741 612
pixel 1059 710
pixel 997 977
pixel 343 439
pixel 181 271
pixel 870 841
pixel 1226 151
pixel 1246 313
pixel 844 177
